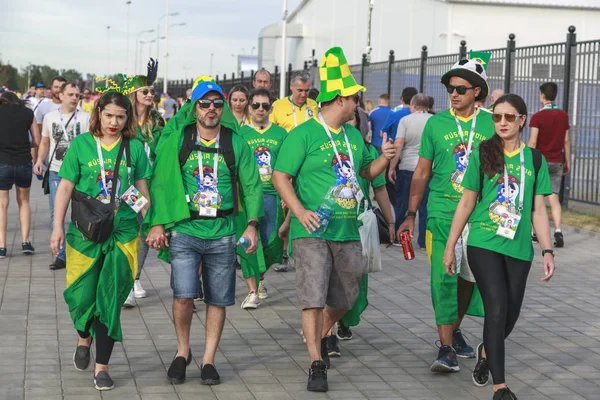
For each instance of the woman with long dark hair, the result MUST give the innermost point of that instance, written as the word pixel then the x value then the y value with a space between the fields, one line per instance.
pixel 101 275
pixel 238 102
pixel 505 184
pixel 16 121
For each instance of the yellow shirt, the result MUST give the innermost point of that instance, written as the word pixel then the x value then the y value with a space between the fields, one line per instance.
pixel 87 106
pixel 288 116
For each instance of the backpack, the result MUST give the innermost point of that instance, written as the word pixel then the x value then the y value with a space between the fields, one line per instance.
pixel 225 148
pixel 536 155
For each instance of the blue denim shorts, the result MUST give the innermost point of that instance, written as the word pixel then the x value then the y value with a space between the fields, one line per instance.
pixel 18 175
pixel 218 268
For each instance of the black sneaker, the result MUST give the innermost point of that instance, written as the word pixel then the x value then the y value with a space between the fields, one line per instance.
pixel 461 348
pixel 343 332
pixel 2 252
pixel 325 353
pixel 504 394
pixel 481 372
pixel 333 346
pixel 58 264
pixel 317 377
pixel 534 238
pixel 103 381
pixel 446 361
pixel 559 241
pixel 176 372
pixel 81 358
pixel 28 248
pixel 209 375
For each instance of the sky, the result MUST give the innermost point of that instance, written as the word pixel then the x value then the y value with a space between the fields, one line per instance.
pixel 68 34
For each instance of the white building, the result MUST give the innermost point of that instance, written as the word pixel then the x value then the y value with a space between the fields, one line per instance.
pixel 406 25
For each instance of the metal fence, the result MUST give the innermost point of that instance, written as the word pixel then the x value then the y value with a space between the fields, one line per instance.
pixel 574 66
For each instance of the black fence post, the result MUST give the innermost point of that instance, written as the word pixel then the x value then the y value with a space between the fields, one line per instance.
pixel 363 66
pixel 422 71
pixel 565 186
pixel 275 85
pixel 305 65
pixel 242 78
pixel 391 60
pixel 510 51
pixel 289 78
pixel 462 50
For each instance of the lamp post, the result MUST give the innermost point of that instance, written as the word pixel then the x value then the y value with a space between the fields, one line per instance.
pixel 128 3
pixel 108 52
pixel 282 79
pixel 167 27
pixel 158 30
pixel 211 64
pixel 137 40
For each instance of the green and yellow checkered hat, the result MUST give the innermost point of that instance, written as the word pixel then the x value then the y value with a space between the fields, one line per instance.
pixel 336 78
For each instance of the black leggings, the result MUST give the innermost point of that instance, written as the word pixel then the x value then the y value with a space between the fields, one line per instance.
pixel 501 280
pixel 104 343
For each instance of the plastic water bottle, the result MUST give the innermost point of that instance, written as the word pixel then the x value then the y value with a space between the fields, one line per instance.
pixel 324 212
pixel 245 243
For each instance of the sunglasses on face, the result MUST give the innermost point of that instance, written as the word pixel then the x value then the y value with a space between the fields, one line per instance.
pixel 507 116
pixel 265 106
pixel 459 89
pixel 146 91
pixel 205 103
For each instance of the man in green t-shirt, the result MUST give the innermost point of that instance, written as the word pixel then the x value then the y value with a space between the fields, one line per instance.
pixel 265 139
pixel 324 156
pixel 446 144
pixel 194 200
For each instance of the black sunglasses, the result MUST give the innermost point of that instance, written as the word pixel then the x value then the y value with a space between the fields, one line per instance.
pixel 459 89
pixel 265 106
pixel 146 91
pixel 205 103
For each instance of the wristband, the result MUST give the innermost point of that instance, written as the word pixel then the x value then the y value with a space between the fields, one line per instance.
pixel 410 214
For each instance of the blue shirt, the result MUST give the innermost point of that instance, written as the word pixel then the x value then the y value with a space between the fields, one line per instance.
pixel 378 117
pixel 391 124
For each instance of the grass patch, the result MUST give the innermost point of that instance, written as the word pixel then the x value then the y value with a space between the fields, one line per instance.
pixel 579 219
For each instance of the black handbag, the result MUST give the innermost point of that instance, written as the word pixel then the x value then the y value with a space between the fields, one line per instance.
pixel 46 180
pixel 382 226
pixel 94 219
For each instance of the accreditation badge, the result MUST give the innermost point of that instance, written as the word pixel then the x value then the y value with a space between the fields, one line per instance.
pixel 208 202
pixel 134 199
pixel 508 224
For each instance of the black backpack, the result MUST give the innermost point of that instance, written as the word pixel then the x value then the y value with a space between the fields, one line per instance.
pixel 536 155
pixel 225 148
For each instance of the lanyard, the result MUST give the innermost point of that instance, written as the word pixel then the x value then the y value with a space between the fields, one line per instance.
pixel 337 155
pixel 103 170
pixel 294 112
pixel 62 123
pixel 147 150
pixel 550 106
pixel 522 185
pixel 471 134
pixel 215 162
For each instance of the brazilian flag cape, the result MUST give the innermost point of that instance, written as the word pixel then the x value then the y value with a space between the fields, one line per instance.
pixel 169 205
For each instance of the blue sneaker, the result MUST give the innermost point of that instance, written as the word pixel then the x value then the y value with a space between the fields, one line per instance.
pixel 462 349
pixel 446 361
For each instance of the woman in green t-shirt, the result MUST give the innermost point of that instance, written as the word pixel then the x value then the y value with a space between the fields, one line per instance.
pixel 149 127
pixel 101 275
pixel 505 178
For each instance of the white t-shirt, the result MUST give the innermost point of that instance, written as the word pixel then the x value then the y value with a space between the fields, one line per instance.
pixel 410 129
pixel 32 103
pixel 44 108
pixel 53 128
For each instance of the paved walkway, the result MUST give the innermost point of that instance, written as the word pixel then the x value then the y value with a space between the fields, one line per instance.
pixel 552 354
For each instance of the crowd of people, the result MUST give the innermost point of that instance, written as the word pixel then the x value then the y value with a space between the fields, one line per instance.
pixel 223 178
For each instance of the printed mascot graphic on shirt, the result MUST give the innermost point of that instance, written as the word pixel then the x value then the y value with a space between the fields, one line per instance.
pixel 504 201
pixel 345 183
pixel 104 195
pixel 460 157
pixel 207 195
pixel 263 159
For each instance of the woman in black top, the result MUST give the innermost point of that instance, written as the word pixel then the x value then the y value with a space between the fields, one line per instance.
pixel 16 121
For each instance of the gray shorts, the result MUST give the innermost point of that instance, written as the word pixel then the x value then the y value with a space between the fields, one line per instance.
pixel 556 173
pixel 328 273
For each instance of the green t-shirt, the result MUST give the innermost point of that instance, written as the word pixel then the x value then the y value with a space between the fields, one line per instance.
pixel 307 155
pixel 157 126
pixel 265 145
pixel 486 215
pixel 365 184
pixel 248 180
pixel 82 166
pixel 442 144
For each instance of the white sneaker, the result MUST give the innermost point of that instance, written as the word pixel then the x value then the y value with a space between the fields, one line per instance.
pixel 262 290
pixel 130 302
pixel 138 290
pixel 252 301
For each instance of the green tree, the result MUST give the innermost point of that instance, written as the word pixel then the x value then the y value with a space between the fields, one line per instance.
pixel 8 76
pixel 71 75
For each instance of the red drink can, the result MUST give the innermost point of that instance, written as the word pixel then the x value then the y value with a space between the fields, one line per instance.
pixel 407 248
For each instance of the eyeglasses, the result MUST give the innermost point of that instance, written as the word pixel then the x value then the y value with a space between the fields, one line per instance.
pixel 205 103
pixel 459 89
pixel 507 116
pixel 265 106
pixel 146 91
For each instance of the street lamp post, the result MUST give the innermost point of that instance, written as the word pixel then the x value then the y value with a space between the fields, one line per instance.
pixel 158 30
pixel 127 64
pixel 211 63
pixel 283 69
pixel 137 40
pixel 108 51
pixel 167 27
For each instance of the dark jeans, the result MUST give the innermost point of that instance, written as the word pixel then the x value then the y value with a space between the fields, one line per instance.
pixel 403 181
